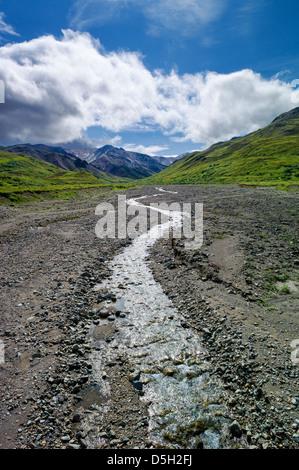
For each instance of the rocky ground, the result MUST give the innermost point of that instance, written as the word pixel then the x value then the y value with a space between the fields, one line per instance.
pixel 50 259
pixel 239 290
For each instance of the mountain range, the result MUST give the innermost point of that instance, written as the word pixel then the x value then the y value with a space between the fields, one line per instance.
pixel 89 154
pixel 55 155
pixel 268 156
pixel 107 159
pixel 123 163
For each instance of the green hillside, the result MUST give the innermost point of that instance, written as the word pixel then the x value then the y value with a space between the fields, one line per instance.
pixel 269 156
pixel 21 174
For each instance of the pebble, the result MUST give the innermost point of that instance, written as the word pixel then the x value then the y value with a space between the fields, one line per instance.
pixel 235 429
pixel 104 313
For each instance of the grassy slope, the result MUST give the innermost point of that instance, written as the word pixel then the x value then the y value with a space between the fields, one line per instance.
pixel 20 174
pixel 269 156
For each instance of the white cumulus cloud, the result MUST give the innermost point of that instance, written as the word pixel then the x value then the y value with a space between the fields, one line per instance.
pixel 57 88
pixel 151 150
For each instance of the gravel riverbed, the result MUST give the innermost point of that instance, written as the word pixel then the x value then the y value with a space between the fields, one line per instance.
pixel 238 292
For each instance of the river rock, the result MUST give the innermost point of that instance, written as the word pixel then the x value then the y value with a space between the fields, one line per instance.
pixel 235 429
pixel 104 313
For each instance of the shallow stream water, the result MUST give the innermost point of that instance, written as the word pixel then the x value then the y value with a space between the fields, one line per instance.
pixel 184 402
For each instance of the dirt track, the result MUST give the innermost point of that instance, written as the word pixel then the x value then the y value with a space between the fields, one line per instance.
pixel 240 291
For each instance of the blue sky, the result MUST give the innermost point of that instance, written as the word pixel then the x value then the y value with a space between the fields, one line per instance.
pixel 160 76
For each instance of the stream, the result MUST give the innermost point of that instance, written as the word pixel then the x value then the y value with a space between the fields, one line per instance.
pixel 184 402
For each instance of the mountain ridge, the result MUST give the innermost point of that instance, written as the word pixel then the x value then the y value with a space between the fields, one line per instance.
pixel 88 154
pixel 269 155
pixel 55 155
pixel 122 163
pixel 107 159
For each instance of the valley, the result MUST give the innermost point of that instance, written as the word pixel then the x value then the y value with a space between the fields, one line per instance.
pixel 77 373
pixel 149 189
